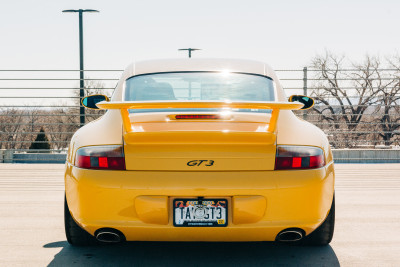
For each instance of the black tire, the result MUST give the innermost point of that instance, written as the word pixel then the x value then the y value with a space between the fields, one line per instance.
pixel 76 236
pixel 322 236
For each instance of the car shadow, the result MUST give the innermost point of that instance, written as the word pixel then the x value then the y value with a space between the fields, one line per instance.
pixel 193 254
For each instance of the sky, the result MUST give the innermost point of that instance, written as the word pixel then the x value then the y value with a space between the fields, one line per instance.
pixel 285 34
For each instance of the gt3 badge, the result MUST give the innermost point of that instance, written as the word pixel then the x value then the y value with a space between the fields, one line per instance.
pixel 207 163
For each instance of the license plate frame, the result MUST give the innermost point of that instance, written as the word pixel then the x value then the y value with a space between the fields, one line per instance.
pixel 207 204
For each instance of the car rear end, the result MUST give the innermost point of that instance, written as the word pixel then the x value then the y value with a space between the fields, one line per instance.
pixel 204 171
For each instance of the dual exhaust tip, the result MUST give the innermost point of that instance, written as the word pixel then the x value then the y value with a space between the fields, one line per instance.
pixel 109 235
pixel 290 235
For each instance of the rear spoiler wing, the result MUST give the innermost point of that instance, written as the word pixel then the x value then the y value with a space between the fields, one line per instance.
pixel 125 106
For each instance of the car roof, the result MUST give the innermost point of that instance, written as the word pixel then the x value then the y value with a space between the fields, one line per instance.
pixel 199 64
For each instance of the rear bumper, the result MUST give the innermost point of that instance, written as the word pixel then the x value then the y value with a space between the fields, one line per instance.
pixel 139 203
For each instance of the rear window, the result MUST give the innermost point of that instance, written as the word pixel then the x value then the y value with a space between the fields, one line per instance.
pixel 199 86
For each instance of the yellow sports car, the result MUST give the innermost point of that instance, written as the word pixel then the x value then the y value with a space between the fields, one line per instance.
pixel 199 150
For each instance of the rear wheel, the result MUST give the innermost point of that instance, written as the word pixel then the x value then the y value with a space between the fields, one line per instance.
pixel 76 236
pixel 322 236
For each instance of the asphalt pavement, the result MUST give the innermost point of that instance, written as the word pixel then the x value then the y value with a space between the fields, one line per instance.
pixel 367 227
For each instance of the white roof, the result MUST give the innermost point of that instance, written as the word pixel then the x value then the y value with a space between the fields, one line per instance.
pixel 197 64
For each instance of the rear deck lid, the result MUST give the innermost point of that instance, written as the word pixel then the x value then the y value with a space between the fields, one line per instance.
pixel 189 145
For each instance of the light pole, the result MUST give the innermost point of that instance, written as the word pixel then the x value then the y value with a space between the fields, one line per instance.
pixel 189 50
pixel 81 77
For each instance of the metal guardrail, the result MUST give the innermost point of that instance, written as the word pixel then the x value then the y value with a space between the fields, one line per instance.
pixel 31 100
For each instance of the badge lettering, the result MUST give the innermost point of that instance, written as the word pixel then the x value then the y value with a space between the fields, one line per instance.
pixel 202 162
pixel 192 163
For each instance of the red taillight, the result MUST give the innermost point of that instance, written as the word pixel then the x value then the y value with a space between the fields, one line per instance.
pixel 100 158
pixel 299 157
pixel 197 117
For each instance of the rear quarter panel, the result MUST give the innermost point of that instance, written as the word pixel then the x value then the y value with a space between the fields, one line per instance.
pixel 106 130
pixel 295 131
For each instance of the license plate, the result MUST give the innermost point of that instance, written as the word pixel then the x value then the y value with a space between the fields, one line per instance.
pixel 200 213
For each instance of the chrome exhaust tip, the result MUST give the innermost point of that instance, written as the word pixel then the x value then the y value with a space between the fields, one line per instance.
pixel 290 235
pixel 108 235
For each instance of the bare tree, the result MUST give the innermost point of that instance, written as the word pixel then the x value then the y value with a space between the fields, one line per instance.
pixel 33 117
pixel 62 127
pixel 11 124
pixel 389 113
pixel 345 96
pixel 93 87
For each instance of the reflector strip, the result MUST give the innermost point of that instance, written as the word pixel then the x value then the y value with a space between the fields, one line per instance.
pixel 194 117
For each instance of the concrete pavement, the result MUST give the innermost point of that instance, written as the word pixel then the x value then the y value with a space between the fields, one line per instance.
pixel 367 227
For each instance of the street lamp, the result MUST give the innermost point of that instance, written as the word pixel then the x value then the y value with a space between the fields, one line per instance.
pixel 189 50
pixel 82 77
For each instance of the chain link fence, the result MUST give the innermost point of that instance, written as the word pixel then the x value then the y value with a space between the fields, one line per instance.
pixel 358 109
